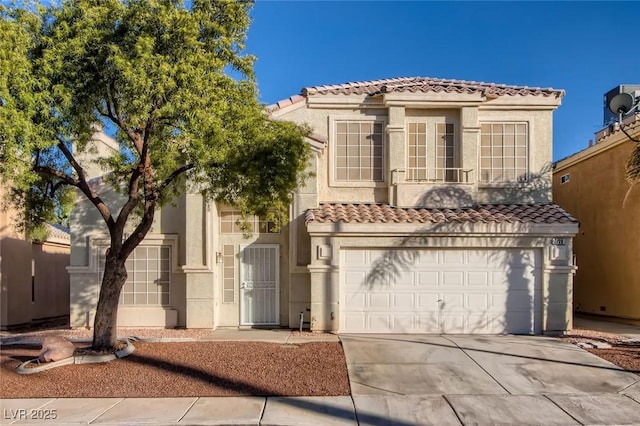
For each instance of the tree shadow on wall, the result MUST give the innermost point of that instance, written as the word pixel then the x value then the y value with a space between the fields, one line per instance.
pixel 513 255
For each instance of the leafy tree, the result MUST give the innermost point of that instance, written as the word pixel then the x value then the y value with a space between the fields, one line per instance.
pixel 171 78
pixel 633 163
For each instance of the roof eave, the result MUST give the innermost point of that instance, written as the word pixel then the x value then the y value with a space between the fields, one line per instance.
pixel 510 229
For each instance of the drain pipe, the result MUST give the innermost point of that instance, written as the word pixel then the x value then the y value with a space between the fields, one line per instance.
pixel 301 320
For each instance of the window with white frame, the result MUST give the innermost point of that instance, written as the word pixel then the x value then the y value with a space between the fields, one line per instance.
pixel 148 276
pixel 504 154
pixel 429 159
pixel 228 274
pixel 359 151
pixel 231 221
pixel 417 152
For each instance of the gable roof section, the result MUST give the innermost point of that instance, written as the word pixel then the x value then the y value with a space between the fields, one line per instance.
pixel 485 213
pixel 416 84
pixel 58 234
pixel 426 84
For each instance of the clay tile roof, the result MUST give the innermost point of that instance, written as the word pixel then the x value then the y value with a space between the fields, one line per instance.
pixel 285 103
pixel 58 232
pixel 426 84
pixel 383 213
pixel 416 84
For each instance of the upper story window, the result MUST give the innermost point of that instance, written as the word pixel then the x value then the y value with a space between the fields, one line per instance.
pixel 504 154
pixel 359 151
pixel 231 223
pixel 432 158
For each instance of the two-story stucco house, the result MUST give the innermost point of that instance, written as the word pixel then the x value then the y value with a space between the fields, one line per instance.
pixel 429 211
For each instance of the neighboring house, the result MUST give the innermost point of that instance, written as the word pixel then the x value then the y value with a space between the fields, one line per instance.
pixel 429 211
pixel 34 285
pixel 591 185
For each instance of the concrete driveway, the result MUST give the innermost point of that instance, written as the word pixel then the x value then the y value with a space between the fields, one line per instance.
pixel 420 379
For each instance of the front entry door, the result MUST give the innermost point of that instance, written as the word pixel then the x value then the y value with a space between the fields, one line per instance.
pixel 259 284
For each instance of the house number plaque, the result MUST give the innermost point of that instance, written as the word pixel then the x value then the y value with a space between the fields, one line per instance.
pixel 558 242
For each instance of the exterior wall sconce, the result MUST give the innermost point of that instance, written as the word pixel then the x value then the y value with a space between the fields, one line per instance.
pixel 219 258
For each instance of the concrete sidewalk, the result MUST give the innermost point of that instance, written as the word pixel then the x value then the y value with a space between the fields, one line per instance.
pixel 183 411
pixel 400 410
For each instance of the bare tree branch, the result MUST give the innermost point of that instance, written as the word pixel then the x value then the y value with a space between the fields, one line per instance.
pixel 63 177
pixel 71 159
pixel 173 176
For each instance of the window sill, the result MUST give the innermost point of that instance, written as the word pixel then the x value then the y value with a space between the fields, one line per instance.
pixel 498 185
pixel 364 184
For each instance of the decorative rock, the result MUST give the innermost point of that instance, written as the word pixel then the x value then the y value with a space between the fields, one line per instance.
pixel 55 348
pixel 591 344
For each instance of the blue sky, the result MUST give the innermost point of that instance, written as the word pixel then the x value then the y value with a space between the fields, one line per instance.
pixel 585 48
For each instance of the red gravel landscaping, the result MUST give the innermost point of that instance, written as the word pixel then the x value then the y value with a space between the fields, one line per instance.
pixel 186 369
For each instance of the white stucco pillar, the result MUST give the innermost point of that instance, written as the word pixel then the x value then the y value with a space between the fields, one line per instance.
pixel 396 151
pixel 324 276
pixel 199 284
pixel 324 298
pixel 557 287
pixel 469 142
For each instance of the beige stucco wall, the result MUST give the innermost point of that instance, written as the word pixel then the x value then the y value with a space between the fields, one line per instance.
pixel 89 236
pixel 598 195
pixel 465 112
pixel 22 304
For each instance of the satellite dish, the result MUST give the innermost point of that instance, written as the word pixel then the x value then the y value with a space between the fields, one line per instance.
pixel 621 103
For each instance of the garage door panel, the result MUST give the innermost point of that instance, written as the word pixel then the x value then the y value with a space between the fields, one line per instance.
pixel 428 279
pixel 452 301
pixel 356 301
pixel 428 258
pixel 479 323
pixel 428 301
pixel 519 279
pixel 355 278
pixel 441 290
pixel 404 301
pixel 380 301
pixel 452 279
pixel 428 322
pixel 478 301
pixel 479 258
pixel 453 257
pixel 402 323
pixel 377 321
pixel 517 323
pixel 356 257
pixel 453 323
pixel 356 323
pixel 478 279
pixel 403 278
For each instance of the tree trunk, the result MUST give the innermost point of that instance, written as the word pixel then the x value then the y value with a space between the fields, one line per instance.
pixel 104 327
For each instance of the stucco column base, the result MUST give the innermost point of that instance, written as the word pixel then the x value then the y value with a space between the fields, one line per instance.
pixel 199 301
pixel 324 298
pixel 557 303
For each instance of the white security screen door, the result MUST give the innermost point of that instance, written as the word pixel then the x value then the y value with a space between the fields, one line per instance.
pixel 259 283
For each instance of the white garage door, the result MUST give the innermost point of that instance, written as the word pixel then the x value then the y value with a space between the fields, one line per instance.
pixel 440 291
